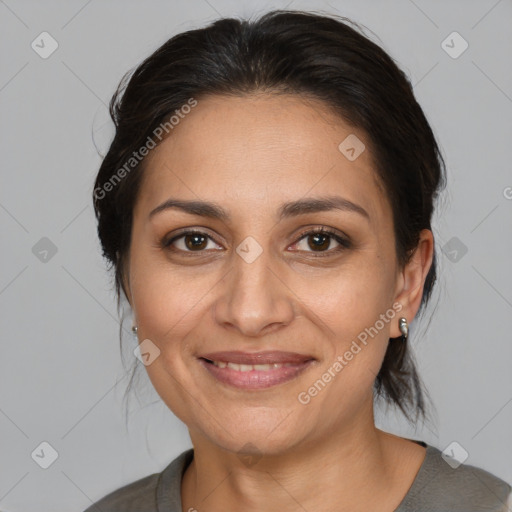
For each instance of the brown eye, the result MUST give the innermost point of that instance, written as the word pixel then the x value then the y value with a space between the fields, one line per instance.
pixel 195 242
pixel 320 241
pixel 190 241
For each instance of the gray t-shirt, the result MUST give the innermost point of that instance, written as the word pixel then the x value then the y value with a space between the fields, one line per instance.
pixel 437 488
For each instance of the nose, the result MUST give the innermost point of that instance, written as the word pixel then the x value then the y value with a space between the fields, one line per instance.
pixel 254 299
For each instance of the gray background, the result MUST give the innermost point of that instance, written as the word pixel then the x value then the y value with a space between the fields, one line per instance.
pixel 61 377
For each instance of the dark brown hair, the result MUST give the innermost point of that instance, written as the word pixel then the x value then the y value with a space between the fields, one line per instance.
pixel 293 52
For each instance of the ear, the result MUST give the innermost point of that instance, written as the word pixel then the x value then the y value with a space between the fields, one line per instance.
pixel 125 279
pixel 411 280
pixel 127 290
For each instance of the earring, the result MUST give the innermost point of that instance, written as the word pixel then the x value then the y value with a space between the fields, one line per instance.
pixel 134 329
pixel 404 328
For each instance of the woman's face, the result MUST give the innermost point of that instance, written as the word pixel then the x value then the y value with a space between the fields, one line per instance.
pixel 259 280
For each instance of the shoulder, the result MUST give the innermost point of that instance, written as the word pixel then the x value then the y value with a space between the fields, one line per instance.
pixel 136 496
pixel 444 485
pixel 149 493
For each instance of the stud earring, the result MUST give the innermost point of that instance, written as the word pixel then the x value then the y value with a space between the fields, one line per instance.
pixel 134 329
pixel 404 328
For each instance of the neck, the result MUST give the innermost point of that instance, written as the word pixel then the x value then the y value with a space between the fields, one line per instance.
pixel 351 469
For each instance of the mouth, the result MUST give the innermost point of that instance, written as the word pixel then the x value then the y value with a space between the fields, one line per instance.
pixel 257 370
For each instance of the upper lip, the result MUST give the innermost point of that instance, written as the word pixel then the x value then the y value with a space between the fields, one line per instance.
pixel 266 357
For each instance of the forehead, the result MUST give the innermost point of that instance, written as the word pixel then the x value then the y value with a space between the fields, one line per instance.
pixel 265 148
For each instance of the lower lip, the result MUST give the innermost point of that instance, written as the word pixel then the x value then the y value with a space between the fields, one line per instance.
pixel 255 379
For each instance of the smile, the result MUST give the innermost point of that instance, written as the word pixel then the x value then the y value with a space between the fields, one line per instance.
pixel 250 367
pixel 255 371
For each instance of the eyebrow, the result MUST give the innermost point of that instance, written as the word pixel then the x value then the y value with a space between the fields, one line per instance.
pixel 287 210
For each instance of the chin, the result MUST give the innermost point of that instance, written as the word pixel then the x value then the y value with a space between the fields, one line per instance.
pixel 253 435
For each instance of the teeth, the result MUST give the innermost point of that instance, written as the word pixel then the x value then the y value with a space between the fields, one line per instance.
pixel 250 367
pixel 265 367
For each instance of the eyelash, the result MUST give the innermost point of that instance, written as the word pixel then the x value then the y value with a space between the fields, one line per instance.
pixel 343 241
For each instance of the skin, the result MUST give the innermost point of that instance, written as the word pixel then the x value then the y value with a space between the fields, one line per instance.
pixel 251 154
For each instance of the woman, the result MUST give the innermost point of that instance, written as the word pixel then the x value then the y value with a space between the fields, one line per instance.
pixel 266 204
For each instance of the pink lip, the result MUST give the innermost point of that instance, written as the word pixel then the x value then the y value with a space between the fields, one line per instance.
pixel 256 379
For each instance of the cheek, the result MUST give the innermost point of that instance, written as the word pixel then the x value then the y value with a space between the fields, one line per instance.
pixel 356 309
pixel 168 307
pixel 349 299
pixel 168 304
